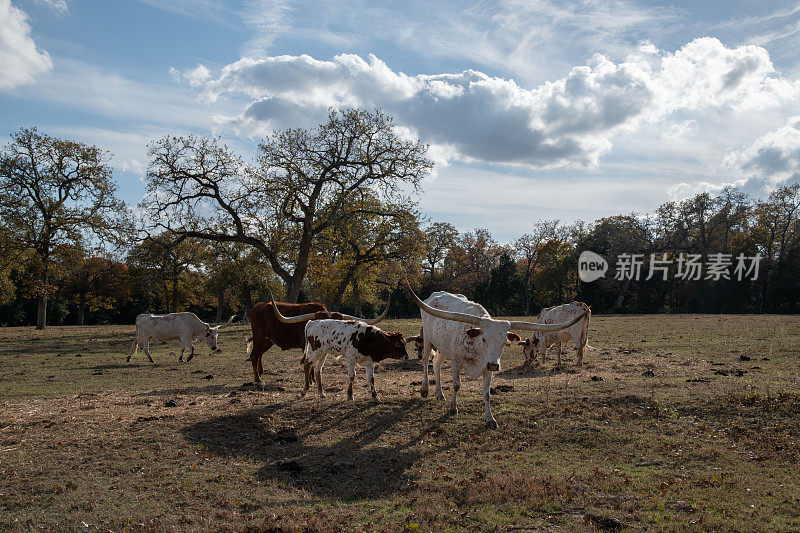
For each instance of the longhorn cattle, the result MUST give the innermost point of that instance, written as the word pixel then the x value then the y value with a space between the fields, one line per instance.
pixel 578 332
pixel 268 330
pixel 464 332
pixel 184 327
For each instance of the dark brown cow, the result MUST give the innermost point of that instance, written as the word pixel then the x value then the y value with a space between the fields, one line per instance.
pixel 268 330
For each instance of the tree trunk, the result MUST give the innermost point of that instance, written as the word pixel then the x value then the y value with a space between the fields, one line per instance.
pixel 81 308
pixel 293 289
pixel 339 294
pixel 41 316
pixel 247 302
pixel 621 297
pixel 220 303
pixel 356 299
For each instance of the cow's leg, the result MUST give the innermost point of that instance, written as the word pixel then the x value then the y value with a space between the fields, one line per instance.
pixel 371 378
pixel 180 358
pixel 438 359
pixel 543 349
pixel 558 354
pixel 146 349
pixel 576 338
pixel 308 368
pixel 191 354
pixel 259 347
pixel 351 372
pixel 426 358
pixel 318 375
pixel 134 345
pixel 491 423
pixel 456 385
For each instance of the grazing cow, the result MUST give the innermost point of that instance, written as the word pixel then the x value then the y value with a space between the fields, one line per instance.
pixel 446 321
pixel 268 330
pixel 358 342
pixel 184 327
pixel 578 332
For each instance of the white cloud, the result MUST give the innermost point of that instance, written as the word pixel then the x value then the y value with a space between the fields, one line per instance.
pixel 194 77
pixel 771 161
pixel 21 60
pixel 60 6
pixel 571 121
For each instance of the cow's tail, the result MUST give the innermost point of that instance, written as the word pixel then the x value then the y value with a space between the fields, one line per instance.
pixel 249 348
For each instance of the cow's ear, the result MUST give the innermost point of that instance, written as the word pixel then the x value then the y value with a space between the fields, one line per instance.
pixel 208 330
pixel 473 332
pixel 513 338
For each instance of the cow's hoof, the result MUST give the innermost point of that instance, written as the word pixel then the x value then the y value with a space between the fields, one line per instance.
pixel 453 410
pixel 350 399
pixel 491 424
pixel 180 359
pixel 322 395
pixel 128 360
pixel 439 395
pixel 424 392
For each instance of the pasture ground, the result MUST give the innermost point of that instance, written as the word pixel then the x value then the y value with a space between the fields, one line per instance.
pixel 667 427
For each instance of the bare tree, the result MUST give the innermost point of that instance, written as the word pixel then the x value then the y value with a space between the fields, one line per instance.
pixel 528 250
pixel 303 183
pixel 54 193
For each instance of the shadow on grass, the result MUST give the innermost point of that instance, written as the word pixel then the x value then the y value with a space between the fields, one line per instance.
pixel 353 466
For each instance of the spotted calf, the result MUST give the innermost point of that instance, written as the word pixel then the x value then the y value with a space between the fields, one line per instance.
pixel 360 343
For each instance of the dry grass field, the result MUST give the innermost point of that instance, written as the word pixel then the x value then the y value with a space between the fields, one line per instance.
pixel 675 423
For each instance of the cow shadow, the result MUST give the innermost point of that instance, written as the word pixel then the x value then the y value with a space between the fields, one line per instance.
pixel 295 450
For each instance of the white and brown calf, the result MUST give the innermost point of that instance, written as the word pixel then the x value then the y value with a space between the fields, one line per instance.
pixel 539 342
pixel 358 342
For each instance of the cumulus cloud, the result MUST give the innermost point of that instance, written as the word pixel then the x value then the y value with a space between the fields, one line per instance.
pixel 571 121
pixel 20 57
pixel 771 161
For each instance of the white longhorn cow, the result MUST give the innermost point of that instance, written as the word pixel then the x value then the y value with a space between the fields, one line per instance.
pixel 464 332
pixel 184 327
pixel 578 332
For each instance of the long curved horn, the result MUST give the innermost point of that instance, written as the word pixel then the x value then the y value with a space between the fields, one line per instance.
pixel 374 320
pixel 440 313
pixel 228 323
pixel 534 326
pixel 289 320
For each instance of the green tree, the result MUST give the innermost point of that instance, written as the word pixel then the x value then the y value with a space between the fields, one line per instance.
pixel 56 192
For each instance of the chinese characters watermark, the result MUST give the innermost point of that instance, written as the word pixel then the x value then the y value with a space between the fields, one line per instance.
pixel 688 267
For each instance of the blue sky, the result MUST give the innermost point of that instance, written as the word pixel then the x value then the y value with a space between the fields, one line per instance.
pixel 533 109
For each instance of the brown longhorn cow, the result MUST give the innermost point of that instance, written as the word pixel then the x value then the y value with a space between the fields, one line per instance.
pixel 268 330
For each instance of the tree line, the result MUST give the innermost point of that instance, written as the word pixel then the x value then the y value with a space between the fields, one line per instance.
pixel 330 214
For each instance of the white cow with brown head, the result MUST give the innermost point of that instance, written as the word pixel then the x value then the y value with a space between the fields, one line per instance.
pixel 539 342
pixel 464 332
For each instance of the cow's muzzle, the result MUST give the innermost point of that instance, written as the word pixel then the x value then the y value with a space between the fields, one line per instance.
pixel 494 367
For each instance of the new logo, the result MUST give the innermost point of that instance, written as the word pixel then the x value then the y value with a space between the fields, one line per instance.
pixel 591 266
